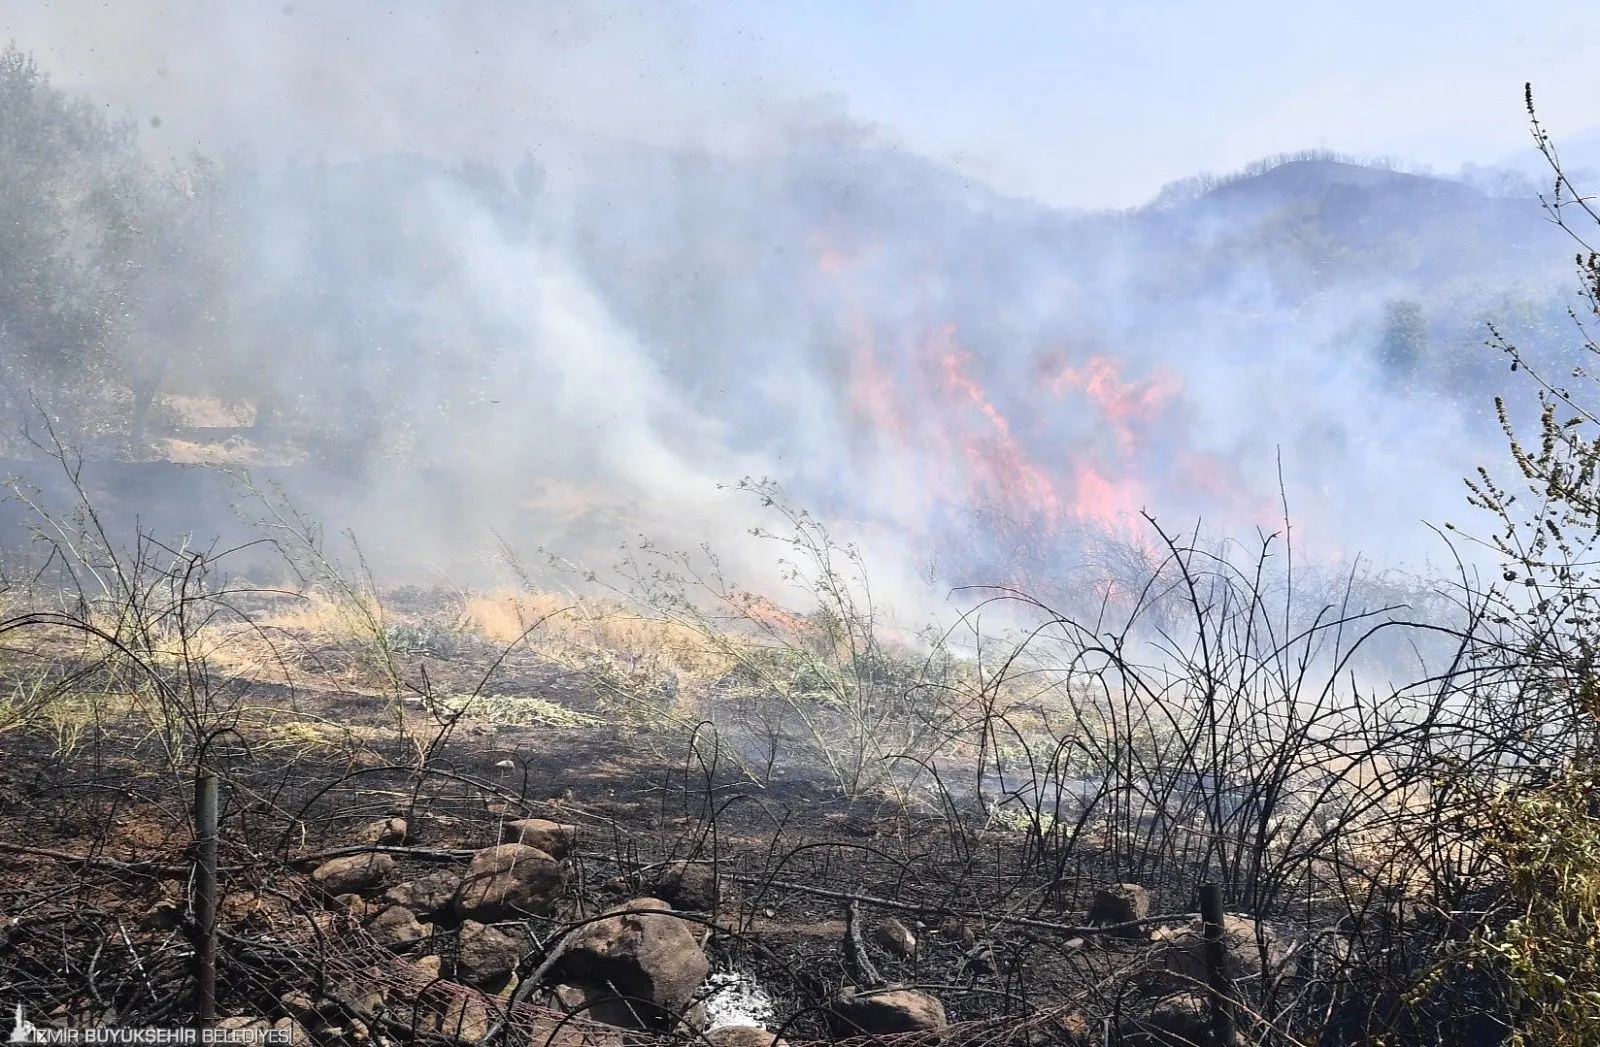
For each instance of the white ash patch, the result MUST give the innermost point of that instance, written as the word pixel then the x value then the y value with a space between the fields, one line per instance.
pixel 736 999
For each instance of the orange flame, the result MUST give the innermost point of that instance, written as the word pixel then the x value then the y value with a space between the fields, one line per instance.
pixel 932 434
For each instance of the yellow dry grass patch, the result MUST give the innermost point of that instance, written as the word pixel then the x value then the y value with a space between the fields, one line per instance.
pixel 557 624
pixel 236 451
pixel 356 617
pixel 210 412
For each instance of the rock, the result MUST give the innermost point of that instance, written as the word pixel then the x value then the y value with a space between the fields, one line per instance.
pixel 505 987
pixel 1387 915
pixel 431 967
pixel 1180 1020
pixel 387 832
pixel 426 894
pixel 365 990
pixel 689 886
pixel 1121 903
pixel 298 1004
pixel 694 1020
pixel 743 1036
pixel 596 1003
pixel 857 1013
pixel 586 1028
pixel 466 1019
pixel 894 938
pixel 616 885
pixel 1074 1027
pixel 553 838
pixel 164 916
pixel 650 957
pixel 980 962
pixel 958 930
pixel 1181 950
pixel 397 925
pixel 507 880
pixel 487 954
pixel 568 997
pixel 353 873
pixel 355 905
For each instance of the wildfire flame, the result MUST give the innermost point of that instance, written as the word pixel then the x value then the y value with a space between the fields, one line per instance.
pixel 1078 441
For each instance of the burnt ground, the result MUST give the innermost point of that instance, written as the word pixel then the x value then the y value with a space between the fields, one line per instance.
pixel 96 875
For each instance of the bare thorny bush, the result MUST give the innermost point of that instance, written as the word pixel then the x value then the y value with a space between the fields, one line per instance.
pixel 101 631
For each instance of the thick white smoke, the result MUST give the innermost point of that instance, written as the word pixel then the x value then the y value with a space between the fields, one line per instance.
pixel 699 273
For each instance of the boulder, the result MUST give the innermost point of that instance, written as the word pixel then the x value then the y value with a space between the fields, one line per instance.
pixel 358 907
pixel 599 1003
pixel 882 1012
pixel 163 916
pixel 694 1020
pixel 1180 1020
pixel 980 961
pixel 397 925
pixel 364 989
pixel 353 873
pixel 586 1028
pixel 743 1036
pixel 426 894
pixel 387 832
pixel 467 1019
pixel 690 886
pixel 958 931
pixel 298 1004
pixel 1118 904
pixel 487 954
pixel 553 838
pixel 649 957
pixel 504 881
pixel 894 938
pixel 1181 951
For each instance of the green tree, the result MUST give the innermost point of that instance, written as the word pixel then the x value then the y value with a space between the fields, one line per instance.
pixel 169 247
pixel 1404 344
pixel 56 154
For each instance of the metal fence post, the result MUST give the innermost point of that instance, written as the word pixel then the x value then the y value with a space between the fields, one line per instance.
pixel 205 897
pixel 1219 984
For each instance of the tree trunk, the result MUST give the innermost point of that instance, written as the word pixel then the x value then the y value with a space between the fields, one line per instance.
pixel 144 394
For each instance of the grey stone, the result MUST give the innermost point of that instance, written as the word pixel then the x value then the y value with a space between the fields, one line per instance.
pixel 508 880
pixel 353 873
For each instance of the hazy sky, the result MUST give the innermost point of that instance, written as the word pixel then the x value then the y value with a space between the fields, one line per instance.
pixel 1085 104
pixel 1101 103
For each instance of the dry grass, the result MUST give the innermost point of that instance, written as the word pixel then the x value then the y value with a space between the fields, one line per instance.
pixel 319 617
pixel 209 411
pixel 595 627
pixel 233 452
